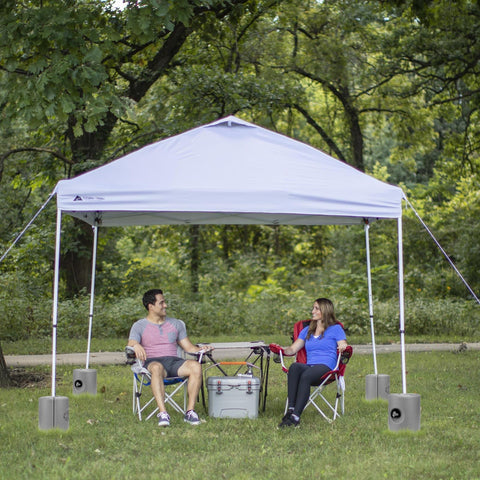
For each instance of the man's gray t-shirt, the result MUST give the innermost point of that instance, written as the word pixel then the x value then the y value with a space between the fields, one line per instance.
pixel 159 340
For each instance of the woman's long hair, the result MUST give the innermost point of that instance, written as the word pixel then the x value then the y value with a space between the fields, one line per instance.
pixel 328 316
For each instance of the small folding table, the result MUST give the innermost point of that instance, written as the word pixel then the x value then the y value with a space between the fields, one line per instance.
pixel 255 353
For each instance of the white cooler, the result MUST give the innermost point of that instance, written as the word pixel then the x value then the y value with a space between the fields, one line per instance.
pixel 233 397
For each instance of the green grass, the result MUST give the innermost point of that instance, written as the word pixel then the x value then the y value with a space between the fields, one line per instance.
pixel 106 441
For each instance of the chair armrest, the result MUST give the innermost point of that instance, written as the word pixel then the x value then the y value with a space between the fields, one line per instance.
pixel 346 355
pixel 130 354
pixel 198 355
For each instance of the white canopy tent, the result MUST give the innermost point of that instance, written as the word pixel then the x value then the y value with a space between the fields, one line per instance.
pixel 228 172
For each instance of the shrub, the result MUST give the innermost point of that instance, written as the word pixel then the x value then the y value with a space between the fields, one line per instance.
pixel 261 311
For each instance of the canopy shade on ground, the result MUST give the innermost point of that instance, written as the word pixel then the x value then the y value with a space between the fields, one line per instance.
pixel 227 172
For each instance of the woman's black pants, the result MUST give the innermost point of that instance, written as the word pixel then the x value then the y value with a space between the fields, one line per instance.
pixel 300 378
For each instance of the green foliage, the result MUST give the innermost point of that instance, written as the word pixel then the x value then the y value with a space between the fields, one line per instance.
pixel 63 74
pixel 375 82
pixel 265 310
pixel 24 310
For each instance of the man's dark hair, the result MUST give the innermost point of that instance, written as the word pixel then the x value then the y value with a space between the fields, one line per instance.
pixel 149 297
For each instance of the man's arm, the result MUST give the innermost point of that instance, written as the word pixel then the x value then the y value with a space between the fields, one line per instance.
pixel 189 347
pixel 139 350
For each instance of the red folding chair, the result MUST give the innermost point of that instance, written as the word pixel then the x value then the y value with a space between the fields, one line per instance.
pixel 333 376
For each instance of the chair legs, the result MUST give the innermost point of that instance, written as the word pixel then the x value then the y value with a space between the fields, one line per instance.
pixel 332 407
pixel 142 380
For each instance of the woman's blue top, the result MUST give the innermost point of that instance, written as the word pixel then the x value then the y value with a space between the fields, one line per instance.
pixel 323 350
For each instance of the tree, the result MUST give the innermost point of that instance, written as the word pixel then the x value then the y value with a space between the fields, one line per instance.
pixel 73 70
pixel 435 44
pixel 328 49
pixel 73 74
pixel 390 87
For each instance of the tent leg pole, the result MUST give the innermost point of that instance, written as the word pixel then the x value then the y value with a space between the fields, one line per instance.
pixel 376 386
pixel 370 297
pixel 404 409
pixel 85 380
pixel 92 292
pixel 401 303
pixel 53 412
pixel 55 298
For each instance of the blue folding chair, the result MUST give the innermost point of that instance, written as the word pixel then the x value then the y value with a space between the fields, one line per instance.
pixel 142 378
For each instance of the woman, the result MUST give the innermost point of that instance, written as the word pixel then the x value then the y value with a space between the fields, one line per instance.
pixel 321 339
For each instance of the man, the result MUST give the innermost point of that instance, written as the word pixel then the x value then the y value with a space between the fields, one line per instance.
pixel 154 340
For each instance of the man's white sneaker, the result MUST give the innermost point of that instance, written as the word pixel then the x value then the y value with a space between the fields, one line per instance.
pixel 163 419
pixel 191 417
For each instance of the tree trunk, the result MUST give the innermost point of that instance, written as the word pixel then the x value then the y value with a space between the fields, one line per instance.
pixel 356 135
pixel 194 257
pixel 91 145
pixel 356 139
pixel 76 260
pixel 5 380
pixel 226 245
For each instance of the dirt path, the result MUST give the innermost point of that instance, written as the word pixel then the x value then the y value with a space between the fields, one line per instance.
pixel 109 358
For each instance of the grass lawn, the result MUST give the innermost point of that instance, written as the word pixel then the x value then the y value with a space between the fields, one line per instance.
pixel 106 441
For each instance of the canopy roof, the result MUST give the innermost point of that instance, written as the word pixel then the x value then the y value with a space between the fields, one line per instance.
pixel 227 172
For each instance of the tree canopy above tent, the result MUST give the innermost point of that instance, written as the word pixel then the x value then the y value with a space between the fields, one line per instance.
pixel 227 172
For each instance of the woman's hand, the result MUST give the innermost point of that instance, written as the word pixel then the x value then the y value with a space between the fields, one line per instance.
pixel 276 348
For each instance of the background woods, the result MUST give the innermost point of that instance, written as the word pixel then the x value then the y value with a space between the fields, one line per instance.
pixel 390 87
